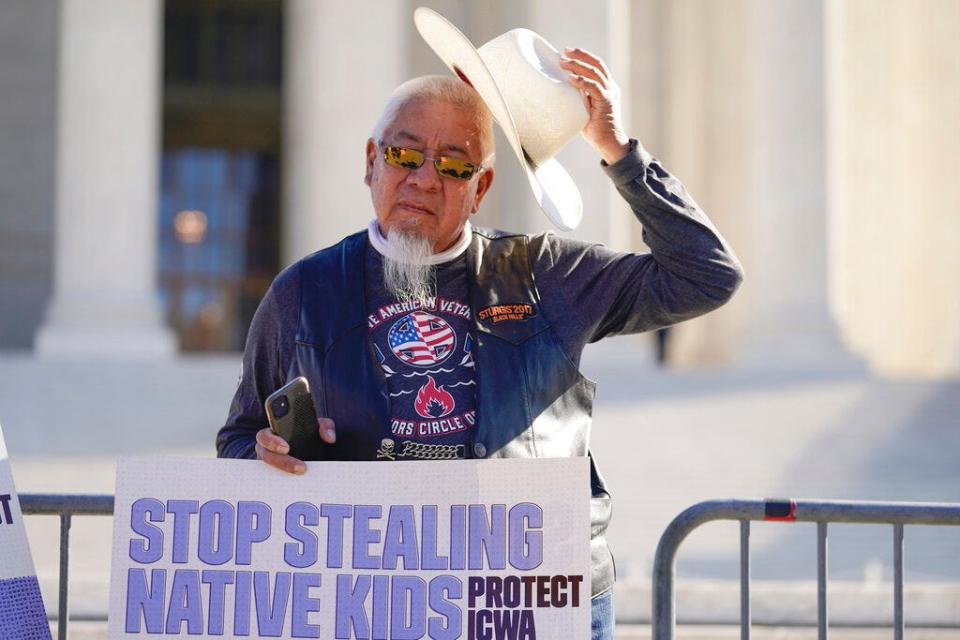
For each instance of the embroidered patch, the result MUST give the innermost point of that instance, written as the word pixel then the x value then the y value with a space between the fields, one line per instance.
pixel 501 312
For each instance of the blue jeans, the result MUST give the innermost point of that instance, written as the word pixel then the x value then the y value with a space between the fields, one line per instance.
pixel 601 614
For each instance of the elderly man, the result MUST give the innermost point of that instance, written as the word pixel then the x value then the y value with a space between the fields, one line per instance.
pixel 424 337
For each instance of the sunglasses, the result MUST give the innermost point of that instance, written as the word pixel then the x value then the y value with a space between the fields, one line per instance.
pixel 411 159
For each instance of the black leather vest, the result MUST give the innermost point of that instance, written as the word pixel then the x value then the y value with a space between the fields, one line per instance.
pixel 532 402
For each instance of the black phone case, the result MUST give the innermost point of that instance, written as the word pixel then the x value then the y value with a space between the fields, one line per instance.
pixel 298 427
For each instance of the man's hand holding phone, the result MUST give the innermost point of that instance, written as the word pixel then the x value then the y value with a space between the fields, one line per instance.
pixel 275 451
pixel 295 433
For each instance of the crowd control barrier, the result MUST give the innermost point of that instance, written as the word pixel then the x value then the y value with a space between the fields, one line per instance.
pixel 822 512
pixel 65 506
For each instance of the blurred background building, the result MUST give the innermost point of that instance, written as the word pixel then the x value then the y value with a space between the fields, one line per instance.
pixel 161 161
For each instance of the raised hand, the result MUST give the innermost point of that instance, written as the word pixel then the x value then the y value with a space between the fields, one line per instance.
pixel 601 97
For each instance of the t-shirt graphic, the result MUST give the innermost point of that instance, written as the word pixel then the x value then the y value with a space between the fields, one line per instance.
pixel 426 353
pixel 422 339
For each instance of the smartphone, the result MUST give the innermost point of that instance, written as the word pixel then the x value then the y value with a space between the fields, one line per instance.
pixel 293 418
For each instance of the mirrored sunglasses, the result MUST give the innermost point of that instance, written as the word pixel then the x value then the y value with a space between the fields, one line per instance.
pixel 411 159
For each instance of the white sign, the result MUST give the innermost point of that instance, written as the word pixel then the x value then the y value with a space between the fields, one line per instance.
pixel 474 549
pixel 21 607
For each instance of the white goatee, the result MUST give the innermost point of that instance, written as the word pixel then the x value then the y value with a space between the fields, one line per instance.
pixel 407 273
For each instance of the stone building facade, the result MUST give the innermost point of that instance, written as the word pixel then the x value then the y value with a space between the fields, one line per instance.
pixel 821 136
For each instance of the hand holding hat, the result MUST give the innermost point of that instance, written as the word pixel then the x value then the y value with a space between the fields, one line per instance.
pixel 538 99
pixel 601 98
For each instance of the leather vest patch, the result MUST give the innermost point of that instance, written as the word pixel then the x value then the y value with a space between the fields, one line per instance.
pixel 498 313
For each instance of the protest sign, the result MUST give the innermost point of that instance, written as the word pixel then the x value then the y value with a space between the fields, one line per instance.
pixel 473 549
pixel 21 608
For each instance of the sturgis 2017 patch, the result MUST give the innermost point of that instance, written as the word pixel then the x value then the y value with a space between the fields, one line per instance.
pixel 497 313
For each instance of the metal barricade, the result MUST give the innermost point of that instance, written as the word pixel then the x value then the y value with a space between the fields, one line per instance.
pixel 897 514
pixel 66 506
pixel 822 512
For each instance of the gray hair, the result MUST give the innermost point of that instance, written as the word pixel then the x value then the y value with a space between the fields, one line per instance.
pixel 443 89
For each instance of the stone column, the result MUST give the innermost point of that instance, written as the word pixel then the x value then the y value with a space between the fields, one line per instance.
pixel 104 300
pixel 790 321
pixel 893 167
pixel 342 60
pixel 742 113
pixel 695 108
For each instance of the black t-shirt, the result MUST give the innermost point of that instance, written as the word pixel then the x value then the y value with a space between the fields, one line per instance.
pixel 427 357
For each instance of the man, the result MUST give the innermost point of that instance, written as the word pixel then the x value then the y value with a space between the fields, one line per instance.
pixel 426 338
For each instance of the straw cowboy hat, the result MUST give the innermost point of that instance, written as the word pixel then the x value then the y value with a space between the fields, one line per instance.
pixel 519 77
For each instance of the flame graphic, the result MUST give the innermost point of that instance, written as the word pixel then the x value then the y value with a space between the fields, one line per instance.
pixel 433 402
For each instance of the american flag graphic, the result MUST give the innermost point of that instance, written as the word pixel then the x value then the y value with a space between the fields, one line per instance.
pixel 422 339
